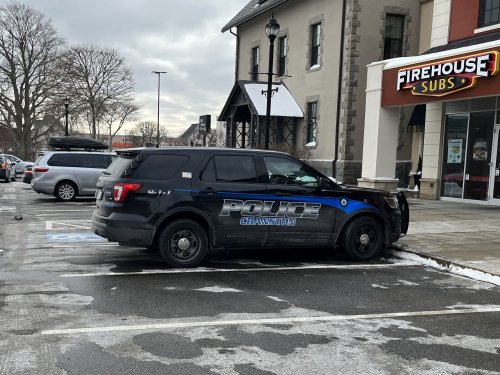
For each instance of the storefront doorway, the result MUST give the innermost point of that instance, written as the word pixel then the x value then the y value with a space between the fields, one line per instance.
pixel 471 159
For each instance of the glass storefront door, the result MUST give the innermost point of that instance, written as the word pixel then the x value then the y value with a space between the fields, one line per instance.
pixel 479 146
pixel 455 143
pixel 495 169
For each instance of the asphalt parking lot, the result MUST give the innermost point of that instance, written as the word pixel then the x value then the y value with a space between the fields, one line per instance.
pixel 72 303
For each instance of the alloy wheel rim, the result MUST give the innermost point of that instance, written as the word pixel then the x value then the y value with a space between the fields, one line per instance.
pixel 184 245
pixel 66 191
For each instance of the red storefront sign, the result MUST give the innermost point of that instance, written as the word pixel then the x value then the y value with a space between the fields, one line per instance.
pixel 123 145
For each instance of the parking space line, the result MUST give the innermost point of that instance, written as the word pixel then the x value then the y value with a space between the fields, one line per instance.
pixel 95 244
pixel 221 270
pixel 267 321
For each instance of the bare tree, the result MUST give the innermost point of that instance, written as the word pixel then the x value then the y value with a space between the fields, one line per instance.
pixel 116 114
pixel 216 139
pixel 97 78
pixel 145 132
pixel 29 45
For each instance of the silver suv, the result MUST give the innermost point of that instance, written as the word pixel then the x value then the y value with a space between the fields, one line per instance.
pixel 68 174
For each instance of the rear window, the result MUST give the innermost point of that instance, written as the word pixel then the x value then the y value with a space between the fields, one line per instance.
pixel 119 164
pixel 160 167
pixel 62 160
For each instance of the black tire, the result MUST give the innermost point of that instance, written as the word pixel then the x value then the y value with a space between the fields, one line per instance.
pixel 357 233
pixel 63 191
pixel 7 177
pixel 169 241
pixel 14 178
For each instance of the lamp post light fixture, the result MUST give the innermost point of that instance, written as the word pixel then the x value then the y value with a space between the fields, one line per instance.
pixel 158 121
pixel 272 31
pixel 66 104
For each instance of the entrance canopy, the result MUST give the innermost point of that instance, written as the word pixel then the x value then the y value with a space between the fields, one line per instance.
pixel 245 115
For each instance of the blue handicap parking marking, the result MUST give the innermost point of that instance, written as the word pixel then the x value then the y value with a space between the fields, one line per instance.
pixel 74 237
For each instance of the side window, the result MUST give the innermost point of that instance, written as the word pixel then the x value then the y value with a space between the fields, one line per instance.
pixel 111 158
pixel 93 161
pixel 160 167
pixel 13 159
pixel 209 172
pixel 62 160
pixel 282 171
pixel 235 169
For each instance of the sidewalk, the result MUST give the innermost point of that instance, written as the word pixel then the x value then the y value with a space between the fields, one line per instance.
pixel 467 234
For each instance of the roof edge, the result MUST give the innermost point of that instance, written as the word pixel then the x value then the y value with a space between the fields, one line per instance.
pixel 233 23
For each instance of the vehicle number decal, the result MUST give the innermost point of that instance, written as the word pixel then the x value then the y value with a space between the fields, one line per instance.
pixel 255 212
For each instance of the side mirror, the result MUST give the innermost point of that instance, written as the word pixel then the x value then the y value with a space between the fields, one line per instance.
pixel 13 163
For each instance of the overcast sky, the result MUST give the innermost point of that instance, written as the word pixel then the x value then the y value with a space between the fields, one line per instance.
pixel 181 37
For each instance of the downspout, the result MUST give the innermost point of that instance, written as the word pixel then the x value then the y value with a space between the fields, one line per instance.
pixel 339 93
pixel 237 72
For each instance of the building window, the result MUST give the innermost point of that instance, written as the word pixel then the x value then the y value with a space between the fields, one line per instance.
pixel 283 45
pixel 489 12
pixel 255 63
pixel 316 45
pixel 312 121
pixel 393 36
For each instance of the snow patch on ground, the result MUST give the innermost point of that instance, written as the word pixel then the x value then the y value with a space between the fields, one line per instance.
pixel 466 272
pixel 218 289
pixel 276 299
pixel 376 286
pixel 407 283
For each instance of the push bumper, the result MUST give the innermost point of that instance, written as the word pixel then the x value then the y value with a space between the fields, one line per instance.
pixel 103 227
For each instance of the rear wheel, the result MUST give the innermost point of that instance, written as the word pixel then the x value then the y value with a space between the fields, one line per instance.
pixel 14 178
pixel 363 238
pixel 183 243
pixel 7 177
pixel 66 191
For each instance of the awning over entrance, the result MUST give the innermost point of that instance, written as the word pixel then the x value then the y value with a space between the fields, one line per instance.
pixel 245 115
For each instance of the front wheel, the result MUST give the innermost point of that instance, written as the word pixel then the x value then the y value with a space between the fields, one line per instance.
pixel 183 243
pixel 363 239
pixel 7 177
pixel 66 191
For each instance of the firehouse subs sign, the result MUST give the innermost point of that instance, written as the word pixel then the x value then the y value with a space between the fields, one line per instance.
pixel 450 76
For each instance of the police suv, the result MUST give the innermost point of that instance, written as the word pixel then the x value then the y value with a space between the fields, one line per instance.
pixel 184 201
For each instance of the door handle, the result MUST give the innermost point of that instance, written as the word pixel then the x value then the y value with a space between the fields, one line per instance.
pixel 283 194
pixel 208 191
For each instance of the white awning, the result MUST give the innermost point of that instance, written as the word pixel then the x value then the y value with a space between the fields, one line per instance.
pixel 283 103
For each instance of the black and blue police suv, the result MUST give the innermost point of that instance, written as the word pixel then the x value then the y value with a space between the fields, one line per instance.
pixel 184 201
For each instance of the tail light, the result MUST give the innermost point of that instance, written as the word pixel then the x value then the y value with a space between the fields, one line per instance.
pixel 3 165
pixel 120 191
pixel 27 172
pixel 38 169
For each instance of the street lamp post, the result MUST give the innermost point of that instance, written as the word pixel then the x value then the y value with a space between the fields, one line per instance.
pixel 272 31
pixel 158 121
pixel 66 104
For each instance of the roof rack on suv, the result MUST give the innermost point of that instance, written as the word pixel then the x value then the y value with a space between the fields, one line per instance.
pixel 69 143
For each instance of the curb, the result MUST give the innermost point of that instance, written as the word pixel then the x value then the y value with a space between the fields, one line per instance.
pixel 442 261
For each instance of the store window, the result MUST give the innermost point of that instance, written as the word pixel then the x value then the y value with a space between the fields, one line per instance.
pixel 489 13
pixel 255 63
pixel 455 141
pixel 393 45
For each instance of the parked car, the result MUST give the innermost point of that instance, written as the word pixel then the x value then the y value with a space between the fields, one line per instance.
pixel 18 163
pixel 68 174
pixel 184 201
pixel 7 169
pixel 28 174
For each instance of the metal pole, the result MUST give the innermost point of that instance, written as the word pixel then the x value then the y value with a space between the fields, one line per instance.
pixel 66 134
pixel 269 92
pixel 158 122
pixel 125 138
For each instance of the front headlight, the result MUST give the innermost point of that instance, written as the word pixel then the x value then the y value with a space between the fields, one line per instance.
pixel 392 202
